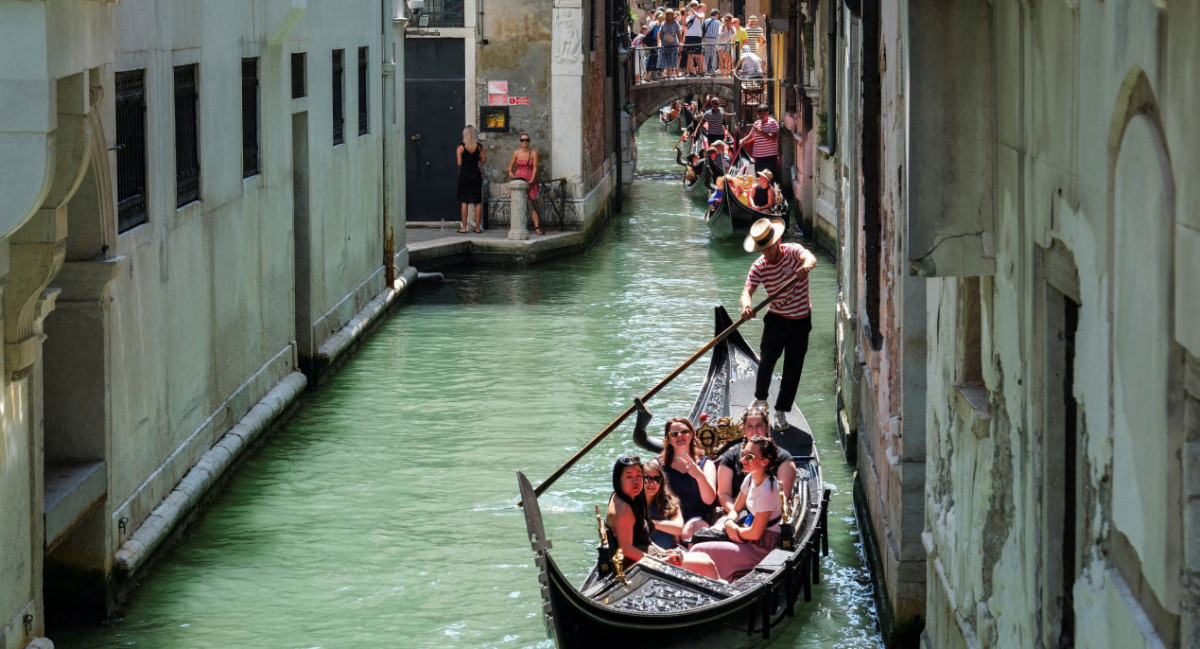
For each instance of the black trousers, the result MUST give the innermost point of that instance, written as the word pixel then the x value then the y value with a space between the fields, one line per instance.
pixel 771 162
pixel 787 337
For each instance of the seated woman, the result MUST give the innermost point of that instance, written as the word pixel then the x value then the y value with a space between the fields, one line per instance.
pixel 662 507
pixel 627 524
pixel 763 197
pixel 691 476
pixel 748 543
pixel 729 466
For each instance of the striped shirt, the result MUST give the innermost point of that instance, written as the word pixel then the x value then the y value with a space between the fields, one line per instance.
pixel 752 34
pixel 762 145
pixel 715 119
pixel 794 302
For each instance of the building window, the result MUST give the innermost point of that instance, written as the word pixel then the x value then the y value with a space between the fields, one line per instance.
pixel 364 113
pixel 187 140
pixel 299 80
pixel 249 117
pixel 339 101
pixel 131 149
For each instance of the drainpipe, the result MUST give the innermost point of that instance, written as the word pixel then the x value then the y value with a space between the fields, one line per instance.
pixel 387 17
pixel 614 44
pixel 835 6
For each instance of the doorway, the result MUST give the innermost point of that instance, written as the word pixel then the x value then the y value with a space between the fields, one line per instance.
pixel 434 94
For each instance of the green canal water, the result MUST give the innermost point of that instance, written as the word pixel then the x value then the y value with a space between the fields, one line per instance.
pixel 381 514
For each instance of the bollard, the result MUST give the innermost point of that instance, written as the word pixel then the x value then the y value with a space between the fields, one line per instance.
pixel 517 209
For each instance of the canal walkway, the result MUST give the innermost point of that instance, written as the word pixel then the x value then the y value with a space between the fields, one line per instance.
pixel 432 248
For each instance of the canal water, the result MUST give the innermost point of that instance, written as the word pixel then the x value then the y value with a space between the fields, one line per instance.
pixel 381 514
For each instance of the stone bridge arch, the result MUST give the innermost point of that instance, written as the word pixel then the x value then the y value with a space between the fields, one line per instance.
pixel 648 98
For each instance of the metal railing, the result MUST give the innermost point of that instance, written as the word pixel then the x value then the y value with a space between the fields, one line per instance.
pixel 651 63
pixel 551 202
pixel 441 13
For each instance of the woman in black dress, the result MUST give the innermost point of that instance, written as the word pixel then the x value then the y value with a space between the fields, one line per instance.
pixel 470 177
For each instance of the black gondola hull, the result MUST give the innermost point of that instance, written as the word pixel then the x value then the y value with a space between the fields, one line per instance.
pixel 660 606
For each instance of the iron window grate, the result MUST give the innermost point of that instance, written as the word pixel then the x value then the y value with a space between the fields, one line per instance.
pixel 363 110
pixel 131 149
pixel 250 112
pixel 339 118
pixel 299 78
pixel 187 141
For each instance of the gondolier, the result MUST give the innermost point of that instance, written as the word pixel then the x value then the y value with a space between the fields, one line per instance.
pixel 763 141
pixel 789 318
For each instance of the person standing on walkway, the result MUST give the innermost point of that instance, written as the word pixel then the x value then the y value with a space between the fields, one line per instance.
pixel 789 318
pixel 710 36
pixel 739 36
pixel 470 177
pixel 523 165
pixel 693 35
pixel 753 32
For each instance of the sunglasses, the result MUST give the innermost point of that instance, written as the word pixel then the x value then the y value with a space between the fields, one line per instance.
pixel 748 456
pixel 655 479
pixel 678 433
pixel 629 460
pixel 524 139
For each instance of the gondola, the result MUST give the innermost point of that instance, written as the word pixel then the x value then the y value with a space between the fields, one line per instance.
pixel 657 605
pixel 673 124
pixel 732 215
pixel 698 189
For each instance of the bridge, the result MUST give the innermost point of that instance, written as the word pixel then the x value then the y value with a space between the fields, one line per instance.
pixel 649 96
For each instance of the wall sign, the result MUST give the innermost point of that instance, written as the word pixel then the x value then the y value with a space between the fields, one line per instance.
pixel 497 93
pixel 493 119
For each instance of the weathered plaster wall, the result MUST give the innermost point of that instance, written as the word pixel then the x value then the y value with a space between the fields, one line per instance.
pixel 518 51
pixel 1093 137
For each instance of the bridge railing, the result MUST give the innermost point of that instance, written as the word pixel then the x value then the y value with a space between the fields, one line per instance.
pixel 653 63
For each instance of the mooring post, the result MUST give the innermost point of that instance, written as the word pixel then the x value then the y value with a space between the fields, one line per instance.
pixel 517 209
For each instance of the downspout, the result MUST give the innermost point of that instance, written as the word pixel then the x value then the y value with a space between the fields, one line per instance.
pixel 613 46
pixel 835 7
pixel 388 68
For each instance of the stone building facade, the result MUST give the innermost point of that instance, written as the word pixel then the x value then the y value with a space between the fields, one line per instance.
pixel 550 66
pixel 198 201
pixel 1018 341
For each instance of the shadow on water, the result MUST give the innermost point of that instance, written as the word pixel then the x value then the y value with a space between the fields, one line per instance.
pixel 380 514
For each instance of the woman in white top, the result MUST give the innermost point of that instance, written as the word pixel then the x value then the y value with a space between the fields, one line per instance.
pixel 753 539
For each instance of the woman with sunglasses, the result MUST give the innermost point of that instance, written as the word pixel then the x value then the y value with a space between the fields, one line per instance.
pixel 692 477
pixel 730 476
pixel 662 507
pixel 752 540
pixel 628 525
pixel 523 164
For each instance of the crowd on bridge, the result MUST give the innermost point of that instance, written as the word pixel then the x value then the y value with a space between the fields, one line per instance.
pixel 692 41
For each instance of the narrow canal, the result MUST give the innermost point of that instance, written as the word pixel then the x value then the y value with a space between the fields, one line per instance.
pixel 381 514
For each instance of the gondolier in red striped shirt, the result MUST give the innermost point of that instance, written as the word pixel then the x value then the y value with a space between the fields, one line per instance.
pixel 763 141
pixel 789 319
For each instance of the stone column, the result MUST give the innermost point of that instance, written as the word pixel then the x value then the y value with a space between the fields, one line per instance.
pixel 517 210
pixel 566 92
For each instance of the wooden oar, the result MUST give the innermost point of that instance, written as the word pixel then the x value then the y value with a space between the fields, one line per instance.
pixel 661 384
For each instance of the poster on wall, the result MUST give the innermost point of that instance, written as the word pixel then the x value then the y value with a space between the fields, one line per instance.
pixel 497 93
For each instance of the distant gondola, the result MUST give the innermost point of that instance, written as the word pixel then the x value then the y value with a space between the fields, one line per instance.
pixel 698 188
pixel 659 606
pixel 732 215
pixel 670 119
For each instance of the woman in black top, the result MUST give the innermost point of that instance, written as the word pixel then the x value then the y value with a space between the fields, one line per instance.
pixel 470 177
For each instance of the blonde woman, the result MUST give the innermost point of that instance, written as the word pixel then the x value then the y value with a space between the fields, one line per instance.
pixel 470 177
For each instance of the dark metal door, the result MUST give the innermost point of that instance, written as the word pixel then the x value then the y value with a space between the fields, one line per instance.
pixel 434 118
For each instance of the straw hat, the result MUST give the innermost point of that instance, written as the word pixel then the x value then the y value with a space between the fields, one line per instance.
pixel 764 234
pixel 766 173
